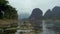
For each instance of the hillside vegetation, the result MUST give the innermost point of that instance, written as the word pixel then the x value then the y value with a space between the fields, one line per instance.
pixel 8 14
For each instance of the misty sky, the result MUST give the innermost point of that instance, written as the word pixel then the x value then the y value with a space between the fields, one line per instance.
pixel 26 6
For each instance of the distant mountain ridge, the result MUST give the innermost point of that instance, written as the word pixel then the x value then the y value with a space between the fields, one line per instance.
pixel 36 14
pixel 53 14
pixel 50 14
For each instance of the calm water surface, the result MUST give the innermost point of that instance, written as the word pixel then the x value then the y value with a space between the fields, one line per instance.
pixel 49 27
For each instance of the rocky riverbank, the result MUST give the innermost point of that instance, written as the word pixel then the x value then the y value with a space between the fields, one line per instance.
pixel 8 26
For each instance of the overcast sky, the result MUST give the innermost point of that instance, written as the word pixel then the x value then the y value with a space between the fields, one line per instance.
pixel 26 6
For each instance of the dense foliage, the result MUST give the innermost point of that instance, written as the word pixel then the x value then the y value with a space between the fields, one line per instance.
pixel 9 11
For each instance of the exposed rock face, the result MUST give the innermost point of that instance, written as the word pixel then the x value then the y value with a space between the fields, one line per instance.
pixel 36 14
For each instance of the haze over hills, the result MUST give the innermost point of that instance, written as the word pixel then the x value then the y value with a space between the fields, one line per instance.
pixel 37 14
pixel 23 16
pixel 48 14
pixel 53 14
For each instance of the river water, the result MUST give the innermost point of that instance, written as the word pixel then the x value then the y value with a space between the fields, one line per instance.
pixel 48 27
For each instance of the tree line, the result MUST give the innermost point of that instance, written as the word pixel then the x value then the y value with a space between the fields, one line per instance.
pixel 7 11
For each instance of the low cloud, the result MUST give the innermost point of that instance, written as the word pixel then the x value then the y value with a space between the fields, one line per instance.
pixel 26 6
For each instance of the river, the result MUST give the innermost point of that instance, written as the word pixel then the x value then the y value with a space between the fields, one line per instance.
pixel 49 27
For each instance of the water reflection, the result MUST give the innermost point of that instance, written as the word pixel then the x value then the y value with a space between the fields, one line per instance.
pixel 49 27
pixel 45 28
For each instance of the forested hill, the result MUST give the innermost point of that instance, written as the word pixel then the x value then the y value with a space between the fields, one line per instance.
pixel 8 14
pixel 7 11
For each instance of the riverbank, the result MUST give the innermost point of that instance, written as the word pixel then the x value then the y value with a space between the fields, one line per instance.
pixel 8 22
pixel 8 26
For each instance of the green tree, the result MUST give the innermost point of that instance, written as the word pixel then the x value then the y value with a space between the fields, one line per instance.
pixel 9 11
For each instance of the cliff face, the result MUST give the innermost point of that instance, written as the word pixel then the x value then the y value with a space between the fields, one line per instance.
pixel 36 14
